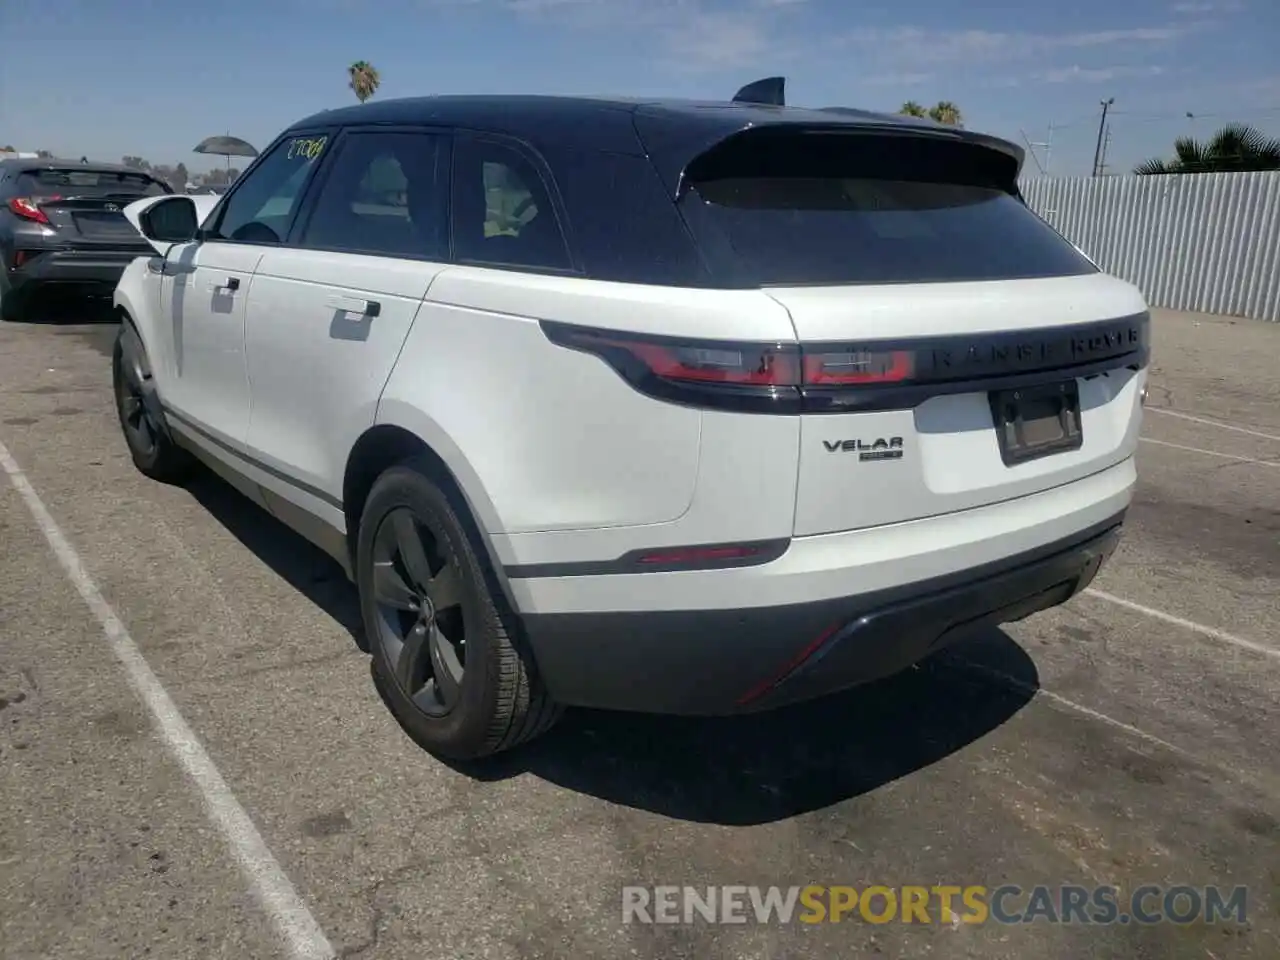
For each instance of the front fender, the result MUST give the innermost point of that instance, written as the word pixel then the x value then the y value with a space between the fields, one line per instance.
pixel 137 297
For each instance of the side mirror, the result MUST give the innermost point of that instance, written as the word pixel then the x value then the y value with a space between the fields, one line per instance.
pixel 171 220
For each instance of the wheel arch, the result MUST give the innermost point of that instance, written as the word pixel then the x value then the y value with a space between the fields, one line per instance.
pixel 387 444
pixel 129 306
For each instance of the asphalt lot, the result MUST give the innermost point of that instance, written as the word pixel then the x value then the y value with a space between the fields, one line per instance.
pixel 1094 744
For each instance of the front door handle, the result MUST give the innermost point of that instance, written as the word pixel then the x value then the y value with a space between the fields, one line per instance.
pixel 367 308
pixel 231 283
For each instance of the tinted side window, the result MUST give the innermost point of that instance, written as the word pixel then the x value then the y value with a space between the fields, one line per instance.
pixel 381 197
pixel 261 208
pixel 502 213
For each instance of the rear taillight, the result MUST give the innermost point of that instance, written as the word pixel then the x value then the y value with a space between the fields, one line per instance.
pixel 28 209
pixel 846 368
pixel 899 374
pixel 762 377
pixel 742 376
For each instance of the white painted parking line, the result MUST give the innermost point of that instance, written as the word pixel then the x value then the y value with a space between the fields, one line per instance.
pixel 1212 423
pixel 1210 453
pixel 276 894
pixel 1214 632
pixel 1033 690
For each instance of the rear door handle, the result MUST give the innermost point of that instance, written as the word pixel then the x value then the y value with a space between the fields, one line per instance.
pixel 367 308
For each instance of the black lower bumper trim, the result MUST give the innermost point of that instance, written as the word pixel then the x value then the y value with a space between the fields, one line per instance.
pixel 101 268
pixel 716 662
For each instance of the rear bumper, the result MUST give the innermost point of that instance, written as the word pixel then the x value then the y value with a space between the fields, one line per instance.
pixel 94 268
pixel 714 662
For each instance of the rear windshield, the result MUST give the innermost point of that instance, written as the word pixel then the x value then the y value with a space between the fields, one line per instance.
pixel 872 210
pixel 82 182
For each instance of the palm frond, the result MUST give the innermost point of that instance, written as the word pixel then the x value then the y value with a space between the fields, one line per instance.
pixel 946 112
pixel 364 79
pixel 1155 168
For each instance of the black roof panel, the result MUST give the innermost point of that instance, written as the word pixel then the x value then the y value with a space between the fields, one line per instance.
pixel 516 113
pixel 673 131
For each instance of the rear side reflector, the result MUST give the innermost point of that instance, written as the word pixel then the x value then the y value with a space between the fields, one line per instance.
pixel 849 377
pixel 699 556
pixel 28 209
pixel 791 666
pixel 682 558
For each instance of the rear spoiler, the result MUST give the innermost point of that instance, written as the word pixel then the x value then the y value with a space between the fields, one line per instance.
pixel 674 142
pixel 675 168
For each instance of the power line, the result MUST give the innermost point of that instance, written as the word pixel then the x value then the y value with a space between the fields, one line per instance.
pixel 1196 114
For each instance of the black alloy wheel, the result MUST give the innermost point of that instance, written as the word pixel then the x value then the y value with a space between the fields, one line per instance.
pixel 421 621
pixel 139 427
pixel 153 450
pixel 448 656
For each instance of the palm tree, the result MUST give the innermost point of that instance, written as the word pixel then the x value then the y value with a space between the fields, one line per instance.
pixel 364 79
pixel 1237 147
pixel 946 112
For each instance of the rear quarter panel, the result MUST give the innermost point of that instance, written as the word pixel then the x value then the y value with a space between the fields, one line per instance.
pixel 555 438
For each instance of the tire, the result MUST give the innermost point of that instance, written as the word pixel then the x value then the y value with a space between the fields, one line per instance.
pixel 421 620
pixel 147 436
pixel 13 304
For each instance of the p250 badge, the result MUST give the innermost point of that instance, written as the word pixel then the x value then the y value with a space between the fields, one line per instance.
pixel 879 449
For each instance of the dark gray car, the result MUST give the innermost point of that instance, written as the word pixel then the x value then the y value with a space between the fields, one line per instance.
pixel 61 224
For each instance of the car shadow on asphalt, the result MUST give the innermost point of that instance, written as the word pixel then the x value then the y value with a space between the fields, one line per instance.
pixel 761 768
pixel 305 567
pixel 746 770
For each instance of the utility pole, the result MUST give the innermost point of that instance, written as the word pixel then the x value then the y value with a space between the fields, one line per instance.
pixel 1106 145
pixel 1102 124
pixel 1048 150
pixel 1031 151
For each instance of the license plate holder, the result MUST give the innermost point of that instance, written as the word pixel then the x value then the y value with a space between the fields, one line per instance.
pixel 1038 421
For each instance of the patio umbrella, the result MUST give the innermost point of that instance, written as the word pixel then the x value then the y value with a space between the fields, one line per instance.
pixel 226 146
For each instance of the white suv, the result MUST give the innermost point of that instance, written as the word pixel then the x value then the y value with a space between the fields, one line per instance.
pixel 659 406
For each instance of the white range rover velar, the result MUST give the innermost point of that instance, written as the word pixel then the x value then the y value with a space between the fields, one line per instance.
pixel 662 406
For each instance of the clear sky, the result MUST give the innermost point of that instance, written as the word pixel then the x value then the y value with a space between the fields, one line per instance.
pixel 113 77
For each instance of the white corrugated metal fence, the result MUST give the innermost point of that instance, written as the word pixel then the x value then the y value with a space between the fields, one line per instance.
pixel 1208 242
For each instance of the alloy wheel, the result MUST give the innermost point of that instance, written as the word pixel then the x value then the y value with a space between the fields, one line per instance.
pixel 417 588
pixel 134 414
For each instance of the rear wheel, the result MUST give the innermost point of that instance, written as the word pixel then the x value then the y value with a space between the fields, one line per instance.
pixel 153 450
pixel 450 668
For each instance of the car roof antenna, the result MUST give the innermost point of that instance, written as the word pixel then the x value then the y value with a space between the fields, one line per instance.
pixel 770 91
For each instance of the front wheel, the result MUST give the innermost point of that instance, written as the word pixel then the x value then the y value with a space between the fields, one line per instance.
pixel 153 450
pixel 449 667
